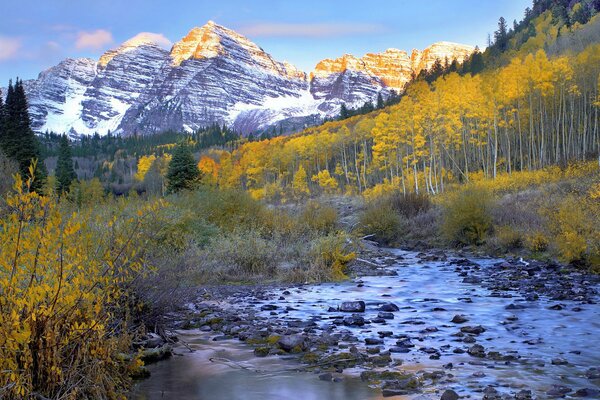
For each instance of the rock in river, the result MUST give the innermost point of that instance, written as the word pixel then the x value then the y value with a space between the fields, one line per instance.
pixel 474 330
pixel 353 306
pixel 459 319
pixel 292 343
pixel 449 395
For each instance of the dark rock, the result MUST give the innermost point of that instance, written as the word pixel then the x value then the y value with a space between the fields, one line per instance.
pixel 373 342
pixel 354 320
pixel 558 391
pixel 559 361
pixel 353 306
pixel 385 315
pixel 269 307
pixel 389 307
pixel 587 392
pixel 326 377
pixel 524 395
pixel 449 395
pixel 474 330
pixel 476 350
pixel 513 306
pixel 397 349
pixel 459 319
pixel 593 373
pixel 472 279
pixel 489 393
pixel 292 343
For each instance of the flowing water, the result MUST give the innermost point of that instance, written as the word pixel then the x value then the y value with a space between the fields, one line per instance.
pixel 429 295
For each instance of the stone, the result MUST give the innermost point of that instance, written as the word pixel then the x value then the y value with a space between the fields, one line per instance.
pixel 474 330
pixel 352 306
pixel 354 320
pixel 459 319
pixel 385 315
pixel 389 307
pixel 476 350
pixel 290 343
pixel 328 377
pixel 558 391
pixel 449 395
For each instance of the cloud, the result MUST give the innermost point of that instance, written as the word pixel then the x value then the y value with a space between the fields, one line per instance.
pixel 309 30
pixel 93 40
pixel 9 47
pixel 150 37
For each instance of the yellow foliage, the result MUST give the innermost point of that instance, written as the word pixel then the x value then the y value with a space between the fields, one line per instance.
pixel 62 282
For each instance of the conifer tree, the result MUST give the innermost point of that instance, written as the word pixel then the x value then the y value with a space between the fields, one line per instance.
pixel 501 35
pixel 65 174
pixel 380 103
pixel 17 140
pixel 344 113
pixel 183 172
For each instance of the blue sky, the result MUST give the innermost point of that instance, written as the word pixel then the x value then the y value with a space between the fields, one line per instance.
pixel 35 35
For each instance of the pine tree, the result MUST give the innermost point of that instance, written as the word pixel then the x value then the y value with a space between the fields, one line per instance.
pixel 380 103
pixel 476 62
pixel 344 113
pixel 18 141
pixel 501 35
pixel 183 172
pixel 65 174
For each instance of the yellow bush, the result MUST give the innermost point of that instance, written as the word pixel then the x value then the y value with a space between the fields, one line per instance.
pixel 467 217
pixel 64 299
pixel 331 256
pixel 575 226
pixel 537 242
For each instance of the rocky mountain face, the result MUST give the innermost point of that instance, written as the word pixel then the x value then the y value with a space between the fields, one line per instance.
pixel 212 75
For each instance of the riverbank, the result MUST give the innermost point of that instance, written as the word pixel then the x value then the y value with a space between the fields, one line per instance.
pixel 418 324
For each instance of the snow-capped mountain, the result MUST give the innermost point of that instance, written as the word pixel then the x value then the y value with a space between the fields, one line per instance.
pixel 212 75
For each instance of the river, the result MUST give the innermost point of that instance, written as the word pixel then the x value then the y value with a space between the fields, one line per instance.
pixel 540 344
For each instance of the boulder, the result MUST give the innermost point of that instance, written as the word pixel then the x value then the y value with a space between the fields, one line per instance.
pixel 353 306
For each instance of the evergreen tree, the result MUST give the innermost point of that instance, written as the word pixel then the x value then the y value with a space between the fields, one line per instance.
pixel 380 103
pixel 501 35
pixel 476 62
pixel 65 174
pixel 344 113
pixel 17 140
pixel 183 172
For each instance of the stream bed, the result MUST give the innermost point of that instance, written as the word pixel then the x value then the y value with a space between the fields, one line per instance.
pixel 480 327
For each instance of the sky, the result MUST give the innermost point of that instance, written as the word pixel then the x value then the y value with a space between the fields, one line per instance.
pixel 35 35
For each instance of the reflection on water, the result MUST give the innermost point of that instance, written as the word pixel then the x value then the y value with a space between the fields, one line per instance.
pixel 194 376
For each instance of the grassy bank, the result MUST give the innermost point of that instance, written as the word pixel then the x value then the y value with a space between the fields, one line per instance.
pixel 553 213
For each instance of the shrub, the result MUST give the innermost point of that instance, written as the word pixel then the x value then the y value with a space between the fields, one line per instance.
pixel 65 299
pixel 227 209
pixel 409 204
pixel 508 238
pixel 382 221
pixel 319 217
pixel 536 242
pixel 240 256
pixel 467 217
pixel 326 260
pixel 575 226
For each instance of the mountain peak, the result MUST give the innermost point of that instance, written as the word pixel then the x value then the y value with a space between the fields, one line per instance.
pixel 207 41
pixel 141 39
